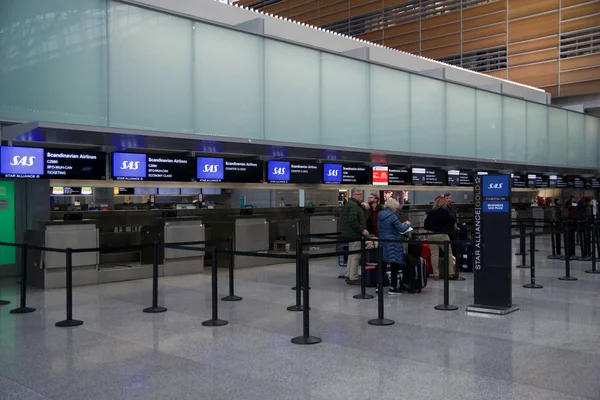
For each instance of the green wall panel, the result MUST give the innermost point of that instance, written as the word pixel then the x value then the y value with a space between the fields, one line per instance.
pixel 7 221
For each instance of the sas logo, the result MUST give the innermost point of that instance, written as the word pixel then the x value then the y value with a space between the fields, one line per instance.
pixel 23 161
pixel 279 171
pixel 333 172
pixel 130 165
pixel 211 168
pixel 495 186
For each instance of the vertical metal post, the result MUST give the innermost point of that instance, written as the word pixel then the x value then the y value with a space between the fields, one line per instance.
pixel 69 289
pixel 568 256
pixel 214 321
pixel 305 338
pixel 299 253
pixel 593 249
pixel 446 306
pixel 155 261
pixel 532 284
pixel 521 240
pixel 380 320
pixel 23 309
pixel 363 272
pixel 230 251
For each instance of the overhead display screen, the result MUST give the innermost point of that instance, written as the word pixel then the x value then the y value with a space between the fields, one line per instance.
pixel 169 168
pixel 558 182
pixel 592 183
pixel 518 181
pixel 299 172
pixel 460 178
pixel 399 176
pixel 21 162
pixel 345 174
pixel 129 166
pixel 537 181
pixel 428 177
pixel 69 164
pixel 209 169
pixel 576 182
pixel 379 175
pixel 69 190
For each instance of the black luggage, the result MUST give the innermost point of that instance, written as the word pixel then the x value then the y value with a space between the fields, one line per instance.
pixel 464 259
pixel 415 273
pixel 371 279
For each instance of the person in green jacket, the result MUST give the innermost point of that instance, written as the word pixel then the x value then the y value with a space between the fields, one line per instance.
pixel 354 227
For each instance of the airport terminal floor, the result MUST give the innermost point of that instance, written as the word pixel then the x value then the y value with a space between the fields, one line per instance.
pixel 546 350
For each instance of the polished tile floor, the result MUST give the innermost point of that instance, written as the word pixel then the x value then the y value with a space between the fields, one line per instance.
pixel 550 349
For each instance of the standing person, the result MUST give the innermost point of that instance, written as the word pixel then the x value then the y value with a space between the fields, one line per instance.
pixel 453 233
pixel 354 227
pixel 440 222
pixel 389 229
pixel 372 209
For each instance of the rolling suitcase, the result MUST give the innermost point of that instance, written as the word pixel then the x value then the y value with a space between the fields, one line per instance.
pixel 426 254
pixel 464 260
pixel 415 273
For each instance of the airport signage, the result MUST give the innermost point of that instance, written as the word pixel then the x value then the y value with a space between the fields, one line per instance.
pixel 460 178
pixel 399 175
pixel 576 182
pixel 129 166
pixel 21 162
pixel 518 181
pixel 209 169
pixel 70 164
pixel 379 175
pixel 537 181
pixel 558 182
pixel 297 172
pixel 428 177
pixel 592 183
pixel 347 174
pixel 168 168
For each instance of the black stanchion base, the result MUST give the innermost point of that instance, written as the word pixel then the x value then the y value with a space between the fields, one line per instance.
pixel 306 340
pixel 381 322
pixel 570 259
pixel 592 271
pixel 583 258
pixel 296 308
pixel 554 257
pixel 231 298
pixel 532 286
pixel 155 310
pixel 537 250
pixel 22 310
pixel 444 307
pixel 520 254
pixel 458 279
pixel 215 322
pixel 4 302
pixel 567 278
pixel 67 323
pixel 294 288
pixel 365 296
pixel 523 266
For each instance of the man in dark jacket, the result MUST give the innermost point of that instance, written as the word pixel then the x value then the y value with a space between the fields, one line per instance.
pixel 354 227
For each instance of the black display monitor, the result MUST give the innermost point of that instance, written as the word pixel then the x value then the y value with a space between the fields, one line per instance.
pixel 535 181
pixel 210 169
pixel 592 183
pixel 170 168
pixel 558 181
pixel 298 172
pixel 519 181
pixel 347 174
pixel 398 175
pixel 428 177
pixel 460 177
pixel 75 164
pixel 576 182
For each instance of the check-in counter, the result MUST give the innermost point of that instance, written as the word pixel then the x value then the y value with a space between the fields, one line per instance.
pixel 46 269
pixel 252 235
pixel 182 261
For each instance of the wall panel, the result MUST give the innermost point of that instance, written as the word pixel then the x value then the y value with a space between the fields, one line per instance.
pixel 440 20
pixel 489 125
pixel 537 133
pixel 568 3
pixel 440 30
pixel 402 29
pixel 558 143
pixel 514 133
pixel 529 58
pixel 534 27
pixel 582 23
pixel 484 20
pixel 461 125
pixel 580 11
pixel 482 44
pixel 576 132
pixel 372 36
pixel 400 39
pixel 390 109
pixel 580 88
pixel 533 45
pixel 366 7
pixel 499 73
pixel 591 60
pixel 333 17
pixel 536 75
pixel 409 48
pixel 427 115
pixel 484 32
pixel 520 8
pixel 587 74
pixel 484 9
pixel 442 51
pixel 440 41
pixel 592 131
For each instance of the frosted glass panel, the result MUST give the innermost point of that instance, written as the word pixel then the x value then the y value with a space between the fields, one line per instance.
pixel 591 141
pixel 489 125
pixel 460 121
pixel 228 81
pixel 515 130
pixel 344 101
pixel 292 91
pixel 150 70
pixel 537 133
pixel 427 115
pixel 557 136
pixel 390 109
pixel 576 131
pixel 53 61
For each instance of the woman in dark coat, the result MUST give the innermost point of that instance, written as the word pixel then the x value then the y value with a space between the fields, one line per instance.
pixel 389 227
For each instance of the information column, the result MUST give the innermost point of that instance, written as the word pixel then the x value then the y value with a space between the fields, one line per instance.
pixel 492 245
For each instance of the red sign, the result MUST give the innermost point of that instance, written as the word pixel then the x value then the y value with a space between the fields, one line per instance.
pixel 380 175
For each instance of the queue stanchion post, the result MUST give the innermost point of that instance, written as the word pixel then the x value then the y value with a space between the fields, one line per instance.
pixel 230 252
pixel 523 252
pixel 23 309
pixel 457 277
pixel 305 339
pixel 587 256
pixel 568 255
pixel 380 320
pixel 532 284
pixel 363 295
pixel 446 306
pixel 214 321
pixel 155 307
pixel 593 250
pixel 521 239
pixel 299 253
pixel 555 250
pixel 299 282
pixel 69 322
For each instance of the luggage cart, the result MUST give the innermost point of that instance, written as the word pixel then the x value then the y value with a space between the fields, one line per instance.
pixel 343 261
